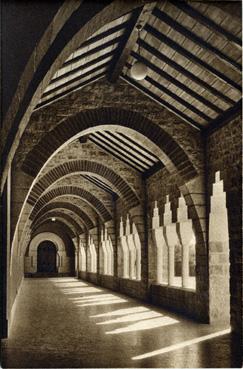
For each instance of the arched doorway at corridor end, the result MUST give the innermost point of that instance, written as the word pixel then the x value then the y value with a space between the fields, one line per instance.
pixel 47 257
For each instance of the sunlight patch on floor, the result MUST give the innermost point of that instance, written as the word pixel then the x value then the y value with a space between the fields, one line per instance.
pixel 132 318
pixel 145 324
pixel 135 309
pixel 182 344
pixel 106 302
pixel 70 291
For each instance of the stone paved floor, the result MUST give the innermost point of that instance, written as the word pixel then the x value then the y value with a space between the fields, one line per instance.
pixel 68 323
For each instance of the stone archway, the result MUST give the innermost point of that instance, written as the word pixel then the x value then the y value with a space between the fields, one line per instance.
pixel 47 258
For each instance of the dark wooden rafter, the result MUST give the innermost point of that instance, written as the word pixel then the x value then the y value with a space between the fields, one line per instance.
pixel 184 71
pixel 67 92
pixel 196 39
pixel 103 35
pixel 76 79
pixel 139 16
pixel 190 56
pixel 138 145
pixel 128 150
pixel 89 64
pixel 115 147
pixel 100 184
pixel 93 51
pixel 177 83
pixel 129 145
pixel 155 168
pixel 223 119
pixel 162 102
pixel 116 155
pixel 193 13
pixel 177 98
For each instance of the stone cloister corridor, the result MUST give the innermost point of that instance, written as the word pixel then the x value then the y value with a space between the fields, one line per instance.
pixel 121 184
pixel 67 322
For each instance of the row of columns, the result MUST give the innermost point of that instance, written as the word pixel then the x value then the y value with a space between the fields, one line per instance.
pixel 169 235
pixel 131 250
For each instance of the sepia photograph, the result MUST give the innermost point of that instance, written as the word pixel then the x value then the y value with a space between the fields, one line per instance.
pixel 121 184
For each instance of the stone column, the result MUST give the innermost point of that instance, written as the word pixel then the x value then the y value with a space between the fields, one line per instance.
pixel 137 243
pixel 157 236
pixel 125 251
pixel 186 237
pixel 171 238
pixel 219 299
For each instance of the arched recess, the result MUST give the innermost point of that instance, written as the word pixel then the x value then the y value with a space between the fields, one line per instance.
pixel 119 185
pixel 87 196
pixel 46 236
pixel 65 205
pixel 59 214
pixel 72 26
pixel 65 257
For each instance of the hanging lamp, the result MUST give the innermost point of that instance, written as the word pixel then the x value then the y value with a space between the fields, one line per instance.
pixel 138 70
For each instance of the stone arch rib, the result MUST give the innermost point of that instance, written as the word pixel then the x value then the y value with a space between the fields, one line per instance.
pixel 64 190
pixel 58 214
pixel 83 166
pixel 65 205
pixel 175 157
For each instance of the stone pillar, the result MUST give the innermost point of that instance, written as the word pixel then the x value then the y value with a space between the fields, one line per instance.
pixel 131 248
pixel 137 243
pixel 186 237
pixel 171 238
pixel 157 236
pixel 108 251
pixel 219 299
pixel 125 251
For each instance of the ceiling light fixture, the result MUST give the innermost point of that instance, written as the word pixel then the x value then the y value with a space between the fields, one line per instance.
pixel 138 70
pixel 53 219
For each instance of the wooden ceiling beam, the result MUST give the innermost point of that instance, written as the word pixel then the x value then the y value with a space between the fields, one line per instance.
pixel 107 141
pixel 196 39
pixel 89 64
pixel 191 57
pixel 177 83
pixel 67 92
pixel 223 119
pixel 184 71
pixel 162 102
pixel 120 157
pixel 177 98
pixel 193 13
pixel 93 51
pixel 139 16
pixel 99 184
pixel 74 80
pixel 103 35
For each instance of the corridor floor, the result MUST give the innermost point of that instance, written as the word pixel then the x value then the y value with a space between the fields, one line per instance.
pixel 68 323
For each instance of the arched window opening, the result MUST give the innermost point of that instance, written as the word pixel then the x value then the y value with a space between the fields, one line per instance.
pixel 219 291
